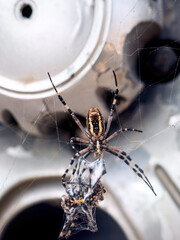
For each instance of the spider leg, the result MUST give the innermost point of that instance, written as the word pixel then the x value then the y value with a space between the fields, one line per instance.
pixel 139 169
pixel 77 140
pixel 122 130
pixel 84 155
pixel 91 170
pixel 78 166
pixel 77 154
pixel 68 108
pixel 67 170
pixel 112 107
pixel 126 158
pixel 85 168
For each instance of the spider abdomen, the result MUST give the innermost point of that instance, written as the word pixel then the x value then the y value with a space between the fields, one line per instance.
pixel 95 122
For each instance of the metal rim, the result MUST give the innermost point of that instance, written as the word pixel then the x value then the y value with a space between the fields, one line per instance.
pixel 83 63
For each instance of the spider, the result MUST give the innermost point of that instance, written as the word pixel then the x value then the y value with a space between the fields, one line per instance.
pixel 98 139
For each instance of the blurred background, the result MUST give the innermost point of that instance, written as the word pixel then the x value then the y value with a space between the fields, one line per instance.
pixel 80 43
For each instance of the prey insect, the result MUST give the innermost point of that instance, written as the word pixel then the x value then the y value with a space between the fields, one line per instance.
pixel 82 197
pixel 98 138
pixel 80 213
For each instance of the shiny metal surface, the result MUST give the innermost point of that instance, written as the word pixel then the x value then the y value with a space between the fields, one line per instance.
pixel 79 43
pixel 31 167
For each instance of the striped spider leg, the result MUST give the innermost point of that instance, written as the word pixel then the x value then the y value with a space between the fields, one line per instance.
pixel 68 109
pixel 94 172
pixel 127 159
pixel 77 154
pixel 97 133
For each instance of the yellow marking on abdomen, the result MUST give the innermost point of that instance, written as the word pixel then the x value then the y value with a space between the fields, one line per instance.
pixel 100 125
pixel 91 126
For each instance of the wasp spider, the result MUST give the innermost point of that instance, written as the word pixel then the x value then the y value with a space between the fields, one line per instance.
pixel 98 139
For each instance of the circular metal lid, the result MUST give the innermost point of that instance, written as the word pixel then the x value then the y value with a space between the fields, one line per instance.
pixel 56 36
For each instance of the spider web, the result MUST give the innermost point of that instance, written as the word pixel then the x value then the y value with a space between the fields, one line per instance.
pixel 156 111
pixel 84 185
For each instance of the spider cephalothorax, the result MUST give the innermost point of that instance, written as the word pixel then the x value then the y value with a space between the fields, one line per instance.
pixel 97 137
